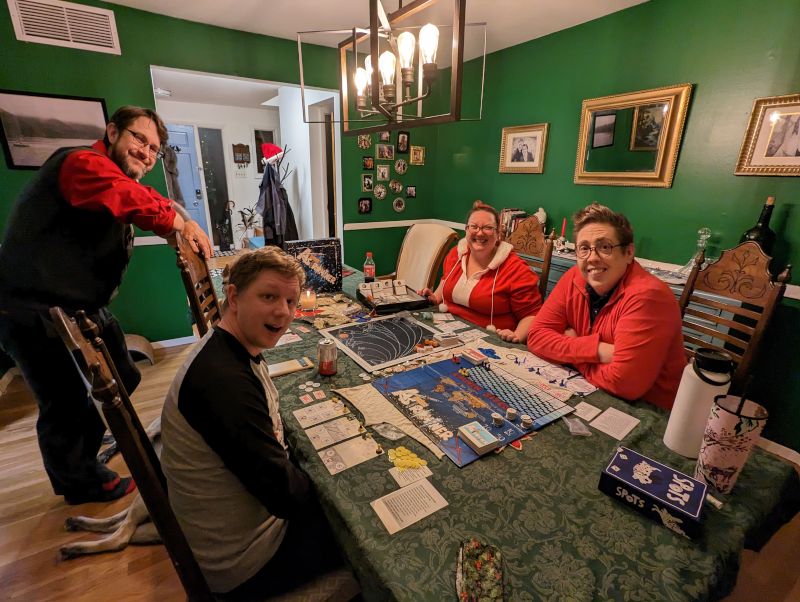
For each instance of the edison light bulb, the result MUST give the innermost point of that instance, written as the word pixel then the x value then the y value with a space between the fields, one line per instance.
pixel 361 80
pixel 386 64
pixel 368 67
pixel 429 42
pixel 405 47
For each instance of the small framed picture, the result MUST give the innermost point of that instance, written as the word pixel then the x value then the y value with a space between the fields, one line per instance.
pixel 417 155
pixel 368 163
pixel 383 173
pixel 522 148
pixel 648 121
pixel 364 141
pixel 403 141
pixel 365 205
pixel 366 182
pixel 396 186
pixel 384 151
pixel 399 205
pixel 401 166
pixel 384 136
pixel 771 145
pixel 411 192
pixel 603 130
pixel 380 191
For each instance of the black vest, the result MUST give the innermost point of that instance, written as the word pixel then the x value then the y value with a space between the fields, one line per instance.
pixel 56 254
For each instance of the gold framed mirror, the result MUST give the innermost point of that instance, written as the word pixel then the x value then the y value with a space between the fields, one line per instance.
pixel 632 139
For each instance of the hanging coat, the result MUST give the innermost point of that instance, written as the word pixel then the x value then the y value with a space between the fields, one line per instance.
pixel 273 206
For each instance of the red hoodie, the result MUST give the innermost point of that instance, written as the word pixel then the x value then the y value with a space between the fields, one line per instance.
pixel 642 320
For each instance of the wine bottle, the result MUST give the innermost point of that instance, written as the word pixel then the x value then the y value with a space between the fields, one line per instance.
pixel 761 232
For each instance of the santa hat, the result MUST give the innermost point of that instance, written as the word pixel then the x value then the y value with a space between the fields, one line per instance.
pixel 270 150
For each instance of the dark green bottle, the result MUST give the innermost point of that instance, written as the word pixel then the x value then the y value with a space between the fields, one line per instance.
pixel 761 232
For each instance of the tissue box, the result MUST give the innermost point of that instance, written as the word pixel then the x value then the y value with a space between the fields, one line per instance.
pixel 663 494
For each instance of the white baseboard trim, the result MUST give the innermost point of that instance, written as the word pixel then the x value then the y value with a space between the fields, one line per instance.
pixel 6 379
pixel 175 342
pixel 780 450
pixel 402 223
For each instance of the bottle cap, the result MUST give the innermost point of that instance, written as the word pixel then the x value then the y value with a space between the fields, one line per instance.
pixel 369 253
pixel 770 200
pixel 712 360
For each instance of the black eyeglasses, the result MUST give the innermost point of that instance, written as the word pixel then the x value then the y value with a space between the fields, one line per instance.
pixel 141 142
pixel 603 249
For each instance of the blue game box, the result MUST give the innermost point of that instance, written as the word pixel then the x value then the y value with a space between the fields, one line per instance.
pixel 660 493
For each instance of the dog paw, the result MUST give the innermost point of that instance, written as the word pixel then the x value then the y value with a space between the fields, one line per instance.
pixel 69 552
pixel 72 524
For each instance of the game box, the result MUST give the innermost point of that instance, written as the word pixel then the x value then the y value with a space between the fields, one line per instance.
pixel 660 493
pixel 322 261
pixel 389 297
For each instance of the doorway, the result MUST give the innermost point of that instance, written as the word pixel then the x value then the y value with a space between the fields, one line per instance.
pixel 182 141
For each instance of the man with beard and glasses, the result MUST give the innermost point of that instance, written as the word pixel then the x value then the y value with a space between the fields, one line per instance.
pixel 67 243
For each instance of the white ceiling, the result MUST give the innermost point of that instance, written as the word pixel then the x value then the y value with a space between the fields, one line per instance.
pixel 508 23
pixel 189 86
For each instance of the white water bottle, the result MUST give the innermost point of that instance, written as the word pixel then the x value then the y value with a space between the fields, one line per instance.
pixel 703 379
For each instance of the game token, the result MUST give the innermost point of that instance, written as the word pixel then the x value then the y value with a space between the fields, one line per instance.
pixel 308 382
pixel 511 414
pixel 315 385
pixel 497 419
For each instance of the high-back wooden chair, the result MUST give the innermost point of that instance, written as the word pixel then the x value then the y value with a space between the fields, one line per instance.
pixel 536 249
pixel 745 297
pixel 80 335
pixel 203 299
pixel 421 255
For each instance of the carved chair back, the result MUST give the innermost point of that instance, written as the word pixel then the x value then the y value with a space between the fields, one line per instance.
pixel 80 335
pixel 736 317
pixel 196 279
pixel 534 248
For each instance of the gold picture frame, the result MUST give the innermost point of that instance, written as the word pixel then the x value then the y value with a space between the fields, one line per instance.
pixel 620 164
pixel 522 148
pixel 771 144
pixel 417 156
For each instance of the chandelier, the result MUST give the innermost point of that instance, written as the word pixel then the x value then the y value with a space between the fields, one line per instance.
pixel 388 71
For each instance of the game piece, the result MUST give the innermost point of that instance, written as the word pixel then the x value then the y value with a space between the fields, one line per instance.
pixel 526 421
pixel 478 438
pixel 497 419
pixel 511 414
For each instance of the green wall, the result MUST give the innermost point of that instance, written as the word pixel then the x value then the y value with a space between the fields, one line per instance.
pixel 733 53
pixel 151 301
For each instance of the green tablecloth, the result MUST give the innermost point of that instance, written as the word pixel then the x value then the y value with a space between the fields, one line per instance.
pixel 561 538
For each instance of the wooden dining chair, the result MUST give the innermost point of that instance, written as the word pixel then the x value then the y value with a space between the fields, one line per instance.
pixel 728 304
pixel 80 335
pixel 536 249
pixel 203 299
pixel 421 255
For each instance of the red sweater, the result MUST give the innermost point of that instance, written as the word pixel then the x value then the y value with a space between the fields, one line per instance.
pixel 641 319
pixel 516 292
pixel 92 181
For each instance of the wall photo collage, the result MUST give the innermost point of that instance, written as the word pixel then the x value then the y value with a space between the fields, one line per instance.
pixel 384 167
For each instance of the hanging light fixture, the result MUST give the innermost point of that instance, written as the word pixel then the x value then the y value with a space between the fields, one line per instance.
pixel 391 96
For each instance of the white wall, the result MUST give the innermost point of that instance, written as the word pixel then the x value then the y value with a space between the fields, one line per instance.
pixel 237 125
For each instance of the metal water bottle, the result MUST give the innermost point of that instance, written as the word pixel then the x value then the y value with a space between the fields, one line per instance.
pixel 707 376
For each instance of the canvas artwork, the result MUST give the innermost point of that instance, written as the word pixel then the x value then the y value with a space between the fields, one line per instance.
pixel 322 261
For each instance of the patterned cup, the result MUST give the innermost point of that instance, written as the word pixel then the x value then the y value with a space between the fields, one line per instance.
pixel 729 437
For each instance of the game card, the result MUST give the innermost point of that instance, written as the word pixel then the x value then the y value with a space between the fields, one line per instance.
pixel 306 398
pixel 615 423
pixel 320 412
pixel 442 317
pixel 472 335
pixel 586 411
pixel 318 394
pixel 409 475
pixel 408 505
pixel 287 338
pixel 452 326
pixel 349 453
pixel 303 329
pixel 334 431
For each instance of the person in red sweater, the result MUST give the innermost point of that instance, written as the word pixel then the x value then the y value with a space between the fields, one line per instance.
pixel 486 282
pixel 617 324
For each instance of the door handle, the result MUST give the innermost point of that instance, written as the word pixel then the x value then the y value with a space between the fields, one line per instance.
pixel 198 194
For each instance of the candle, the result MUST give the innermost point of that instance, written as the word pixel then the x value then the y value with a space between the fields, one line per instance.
pixel 563 227
pixel 308 300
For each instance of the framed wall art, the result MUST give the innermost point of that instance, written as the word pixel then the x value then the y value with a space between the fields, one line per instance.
pixel 648 121
pixel 366 182
pixel 771 145
pixel 384 151
pixel 383 173
pixel 365 205
pixel 33 126
pixel 522 148
pixel 403 141
pixel 262 136
pixel 417 155
pixel 367 163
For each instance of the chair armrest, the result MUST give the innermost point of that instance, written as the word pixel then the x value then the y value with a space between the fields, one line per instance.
pixel 387 276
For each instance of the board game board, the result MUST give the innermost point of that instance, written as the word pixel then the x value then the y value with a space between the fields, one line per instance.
pixel 443 396
pixel 382 342
pixel 322 261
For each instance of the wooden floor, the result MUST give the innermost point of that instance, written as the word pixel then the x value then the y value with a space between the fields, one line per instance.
pixel 32 518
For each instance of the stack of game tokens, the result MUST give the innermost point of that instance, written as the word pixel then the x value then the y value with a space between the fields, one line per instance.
pixel 404 458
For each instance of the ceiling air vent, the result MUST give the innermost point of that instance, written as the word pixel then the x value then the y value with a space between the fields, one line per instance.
pixel 65 24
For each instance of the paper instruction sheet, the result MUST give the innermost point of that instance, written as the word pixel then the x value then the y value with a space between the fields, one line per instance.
pixel 615 423
pixel 408 505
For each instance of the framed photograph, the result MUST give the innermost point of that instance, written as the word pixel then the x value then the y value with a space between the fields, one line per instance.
pixel 262 136
pixel 401 166
pixel 34 126
pixel 384 151
pixel 380 191
pixel 384 136
pixel 417 155
pixel 365 205
pixel 366 182
pixel 364 141
pixel 396 186
pixel 648 121
pixel 522 148
pixel 367 163
pixel 411 192
pixel 383 173
pixel 603 130
pixel 399 205
pixel 771 145
pixel 403 141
